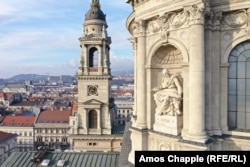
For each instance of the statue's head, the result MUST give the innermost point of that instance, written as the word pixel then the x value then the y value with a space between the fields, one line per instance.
pixel 165 72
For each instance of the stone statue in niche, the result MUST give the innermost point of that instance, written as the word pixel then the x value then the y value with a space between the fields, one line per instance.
pixel 168 96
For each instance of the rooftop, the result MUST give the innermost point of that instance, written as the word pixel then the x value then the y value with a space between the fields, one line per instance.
pixel 72 159
pixel 6 136
pixel 19 121
pixel 54 116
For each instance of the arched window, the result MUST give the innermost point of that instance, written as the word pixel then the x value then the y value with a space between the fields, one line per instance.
pixel 93 119
pixel 93 57
pixel 239 87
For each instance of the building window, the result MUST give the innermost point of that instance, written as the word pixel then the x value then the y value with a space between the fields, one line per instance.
pixel 64 139
pixel 39 139
pixel 93 57
pixel 92 144
pixel 93 119
pixel 239 87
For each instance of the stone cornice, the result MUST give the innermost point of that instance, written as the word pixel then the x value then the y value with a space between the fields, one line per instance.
pixel 97 137
pixel 224 2
pixel 108 77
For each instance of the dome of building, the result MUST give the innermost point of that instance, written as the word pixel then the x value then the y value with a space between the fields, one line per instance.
pixel 95 13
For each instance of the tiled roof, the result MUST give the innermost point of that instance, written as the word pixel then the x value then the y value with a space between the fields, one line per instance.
pixel 28 103
pixel 72 159
pixel 6 136
pixel 54 116
pixel 6 96
pixel 19 121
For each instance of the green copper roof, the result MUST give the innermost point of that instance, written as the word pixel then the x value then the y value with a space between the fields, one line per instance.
pixel 72 159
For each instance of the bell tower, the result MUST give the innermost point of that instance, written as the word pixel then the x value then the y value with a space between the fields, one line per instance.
pixel 94 77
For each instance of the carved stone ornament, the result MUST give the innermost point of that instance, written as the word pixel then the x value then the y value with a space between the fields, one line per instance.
pixel 214 20
pixel 134 29
pixel 153 26
pixel 196 15
pixel 179 19
pixel 236 19
pixel 165 21
pixel 167 55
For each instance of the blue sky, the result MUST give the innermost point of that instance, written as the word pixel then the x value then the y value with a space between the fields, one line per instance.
pixel 41 36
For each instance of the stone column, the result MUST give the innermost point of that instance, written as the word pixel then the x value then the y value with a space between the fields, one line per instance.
pixel 215 76
pixel 196 130
pixel 98 119
pixel 224 96
pixel 141 77
pixel 186 92
pixel 134 44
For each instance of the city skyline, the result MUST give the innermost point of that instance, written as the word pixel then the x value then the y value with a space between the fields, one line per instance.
pixel 42 37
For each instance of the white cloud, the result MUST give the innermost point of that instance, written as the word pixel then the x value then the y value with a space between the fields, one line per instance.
pixel 42 36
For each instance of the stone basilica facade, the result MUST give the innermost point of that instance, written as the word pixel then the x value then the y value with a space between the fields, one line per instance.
pixel 193 57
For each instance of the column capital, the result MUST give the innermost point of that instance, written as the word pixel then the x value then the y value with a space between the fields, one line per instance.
pixel 141 25
pixel 196 14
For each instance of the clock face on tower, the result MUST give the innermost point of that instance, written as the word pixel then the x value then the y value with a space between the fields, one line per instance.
pixel 92 90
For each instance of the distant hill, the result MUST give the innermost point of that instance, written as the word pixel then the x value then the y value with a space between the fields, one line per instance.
pixel 25 77
pixel 20 78
pixel 122 73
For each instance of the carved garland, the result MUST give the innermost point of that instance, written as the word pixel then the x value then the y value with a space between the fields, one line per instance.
pixel 189 16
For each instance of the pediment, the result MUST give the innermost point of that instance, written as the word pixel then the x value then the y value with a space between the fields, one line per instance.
pixel 92 102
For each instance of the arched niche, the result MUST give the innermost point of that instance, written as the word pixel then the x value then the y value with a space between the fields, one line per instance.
pixel 93 57
pixel 92 119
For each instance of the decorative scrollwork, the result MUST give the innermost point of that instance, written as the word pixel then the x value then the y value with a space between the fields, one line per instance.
pixel 178 19
pixel 236 19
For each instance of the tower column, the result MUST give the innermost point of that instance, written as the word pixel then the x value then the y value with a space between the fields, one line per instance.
pixel 141 78
pixel 196 130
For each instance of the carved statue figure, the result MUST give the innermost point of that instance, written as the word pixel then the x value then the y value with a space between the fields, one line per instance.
pixel 169 95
